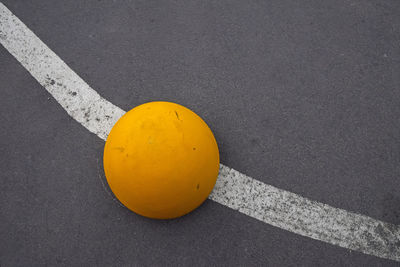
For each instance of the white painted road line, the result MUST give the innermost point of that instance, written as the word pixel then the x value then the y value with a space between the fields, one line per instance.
pixel 266 203
pixel 80 101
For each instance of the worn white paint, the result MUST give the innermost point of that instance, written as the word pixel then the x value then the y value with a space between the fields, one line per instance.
pixel 235 190
pixel 79 100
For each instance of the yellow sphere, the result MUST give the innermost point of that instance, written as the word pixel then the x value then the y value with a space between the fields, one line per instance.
pixel 161 160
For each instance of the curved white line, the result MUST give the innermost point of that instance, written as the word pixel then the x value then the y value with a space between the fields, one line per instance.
pixel 235 190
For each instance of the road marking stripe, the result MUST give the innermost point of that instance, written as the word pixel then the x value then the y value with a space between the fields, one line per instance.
pixel 235 190
pixel 79 100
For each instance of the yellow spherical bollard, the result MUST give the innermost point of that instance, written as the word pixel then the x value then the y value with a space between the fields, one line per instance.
pixel 161 160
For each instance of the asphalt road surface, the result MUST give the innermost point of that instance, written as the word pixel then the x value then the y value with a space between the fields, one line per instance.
pixel 304 96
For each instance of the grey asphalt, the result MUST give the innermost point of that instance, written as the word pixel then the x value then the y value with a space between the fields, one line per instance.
pixel 302 95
